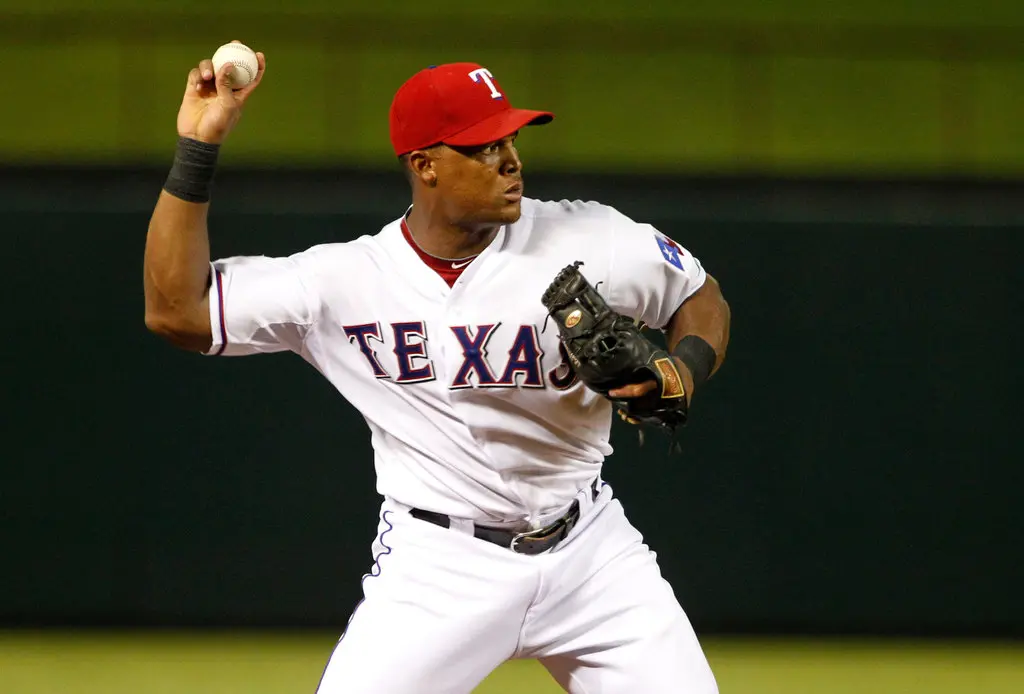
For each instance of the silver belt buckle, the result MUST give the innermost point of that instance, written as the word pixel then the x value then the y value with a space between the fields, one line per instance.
pixel 529 535
pixel 566 522
pixel 561 525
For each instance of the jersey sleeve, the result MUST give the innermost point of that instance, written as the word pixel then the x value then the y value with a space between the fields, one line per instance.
pixel 650 274
pixel 260 304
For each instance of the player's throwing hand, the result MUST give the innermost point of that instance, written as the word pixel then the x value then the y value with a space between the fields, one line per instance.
pixel 210 108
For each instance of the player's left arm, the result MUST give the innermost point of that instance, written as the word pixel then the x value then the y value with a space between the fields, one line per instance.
pixel 660 283
pixel 698 335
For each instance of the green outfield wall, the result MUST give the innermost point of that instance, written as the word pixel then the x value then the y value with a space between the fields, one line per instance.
pixel 864 87
pixel 854 467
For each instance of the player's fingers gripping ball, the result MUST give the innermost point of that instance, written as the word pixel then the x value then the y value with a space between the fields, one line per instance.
pixel 608 350
pixel 244 64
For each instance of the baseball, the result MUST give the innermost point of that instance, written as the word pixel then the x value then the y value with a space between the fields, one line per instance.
pixel 244 65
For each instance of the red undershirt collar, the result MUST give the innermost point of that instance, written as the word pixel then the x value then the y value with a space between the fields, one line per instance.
pixel 449 270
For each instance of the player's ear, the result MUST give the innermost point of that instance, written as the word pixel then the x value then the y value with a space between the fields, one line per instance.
pixel 422 167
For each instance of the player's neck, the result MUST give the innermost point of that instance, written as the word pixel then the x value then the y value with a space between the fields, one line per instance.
pixel 442 239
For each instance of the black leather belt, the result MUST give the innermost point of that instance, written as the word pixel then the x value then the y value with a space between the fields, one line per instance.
pixel 529 542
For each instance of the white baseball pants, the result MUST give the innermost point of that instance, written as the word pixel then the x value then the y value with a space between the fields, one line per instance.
pixel 442 609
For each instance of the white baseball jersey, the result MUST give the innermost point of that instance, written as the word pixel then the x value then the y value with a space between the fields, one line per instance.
pixel 472 410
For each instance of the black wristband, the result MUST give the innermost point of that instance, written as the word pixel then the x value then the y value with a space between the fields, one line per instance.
pixel 191 176
pixel 698 356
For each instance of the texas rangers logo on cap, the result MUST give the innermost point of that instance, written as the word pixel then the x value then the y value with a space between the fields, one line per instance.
pixel 460 104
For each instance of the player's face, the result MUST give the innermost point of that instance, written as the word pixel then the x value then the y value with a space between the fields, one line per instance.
pixel 481 185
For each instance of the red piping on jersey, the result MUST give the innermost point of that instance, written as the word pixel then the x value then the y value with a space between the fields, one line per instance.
pixel 445 268
pixel 223 321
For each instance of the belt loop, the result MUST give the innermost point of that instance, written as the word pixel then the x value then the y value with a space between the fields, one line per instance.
pixel 595 488
pixel 463 526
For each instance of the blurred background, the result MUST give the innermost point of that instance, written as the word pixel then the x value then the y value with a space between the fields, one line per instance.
pixel 846 514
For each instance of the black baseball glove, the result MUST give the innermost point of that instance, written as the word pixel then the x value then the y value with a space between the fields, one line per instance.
pixel 608 350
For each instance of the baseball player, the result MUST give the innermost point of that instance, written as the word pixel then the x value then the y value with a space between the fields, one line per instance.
pixel 497 536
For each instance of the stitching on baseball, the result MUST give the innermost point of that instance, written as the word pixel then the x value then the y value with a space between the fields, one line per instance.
pixel 248 71
pixel 245 67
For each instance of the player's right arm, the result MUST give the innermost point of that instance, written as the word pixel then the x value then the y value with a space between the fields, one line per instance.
pixel 176 267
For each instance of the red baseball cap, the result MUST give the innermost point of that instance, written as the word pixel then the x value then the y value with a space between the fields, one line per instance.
pixel 458 104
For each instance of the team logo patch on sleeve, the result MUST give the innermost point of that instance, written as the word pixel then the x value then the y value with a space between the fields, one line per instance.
pixel 670 251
